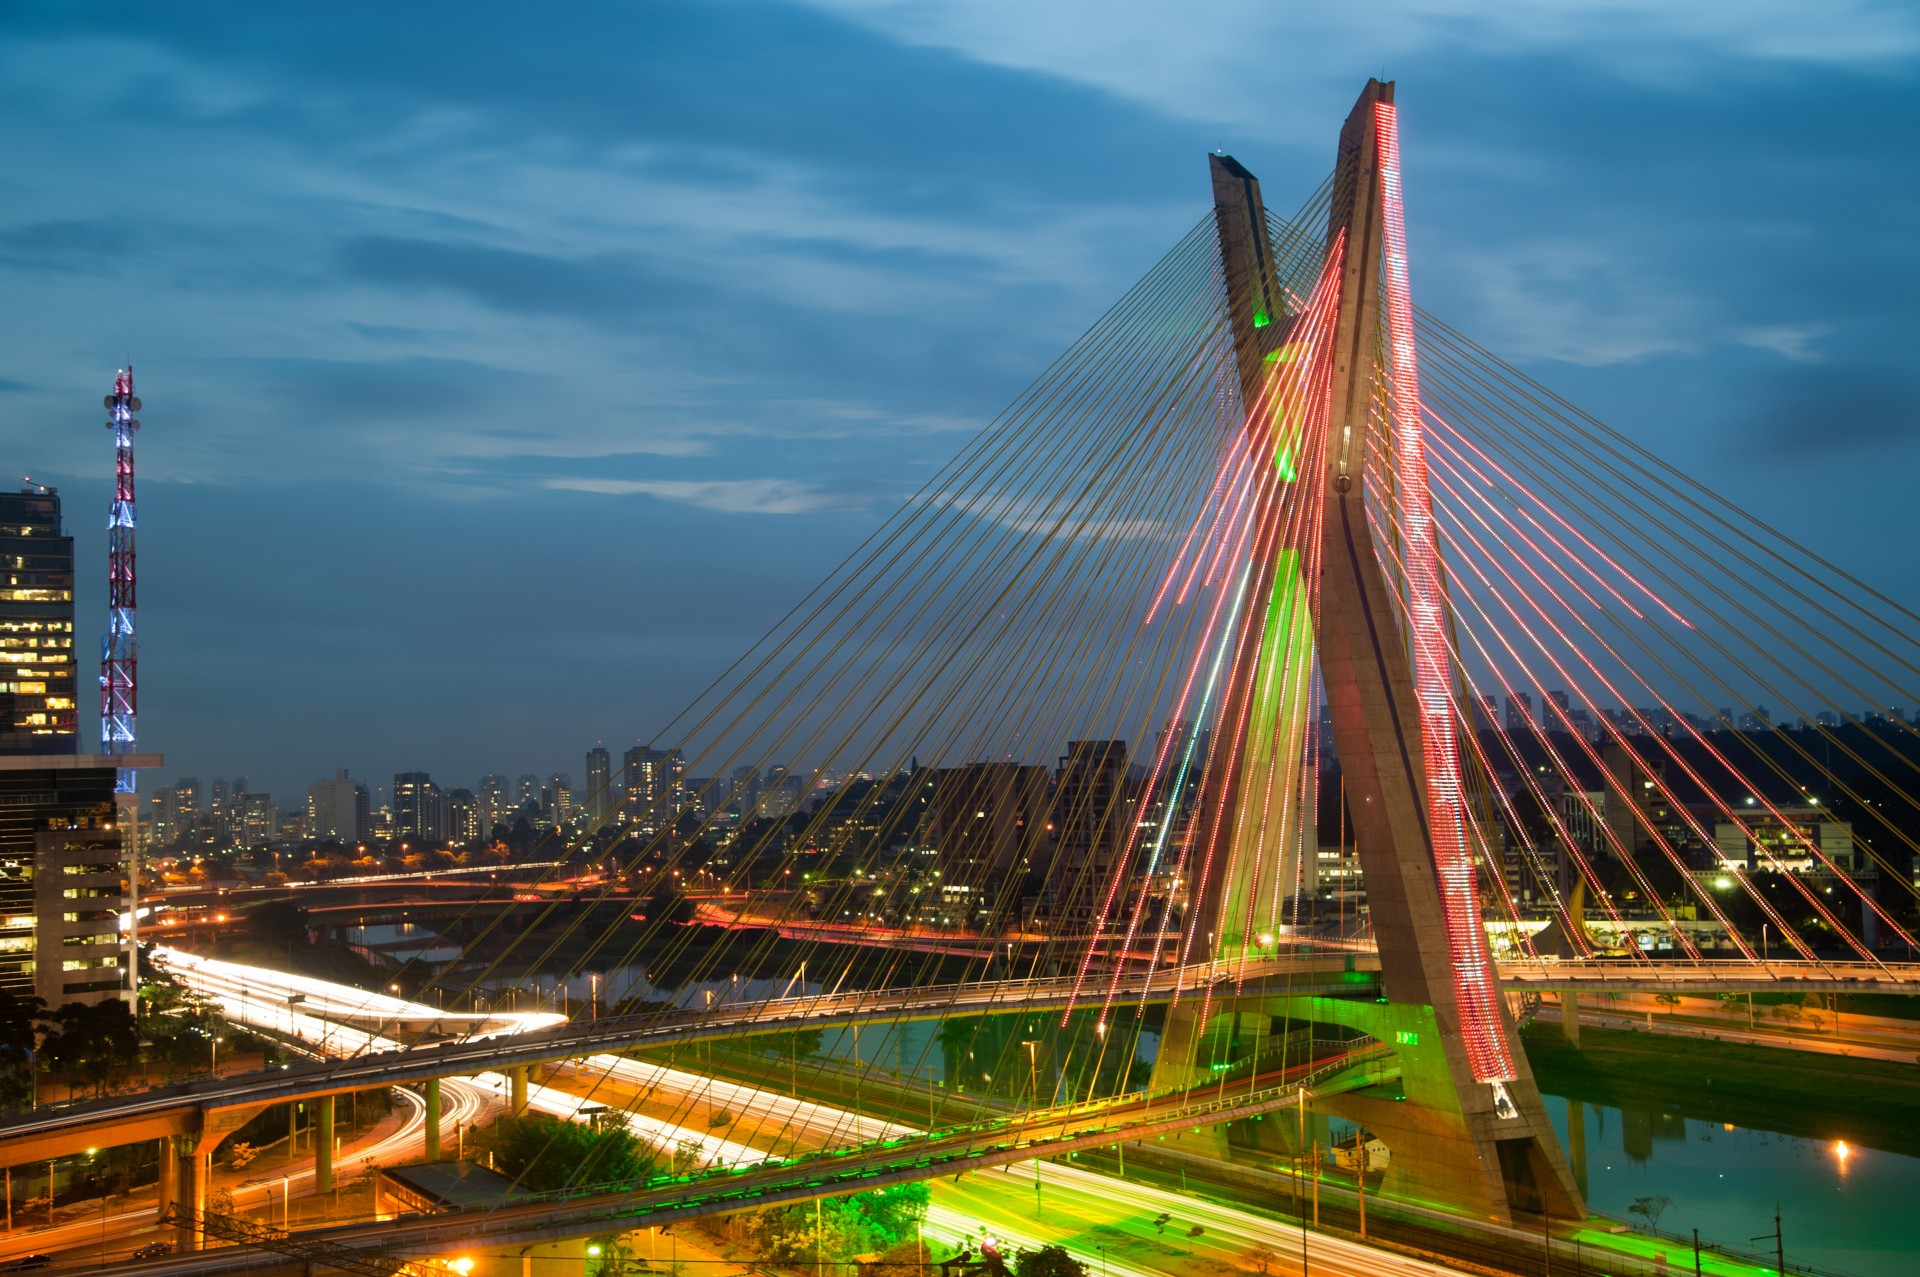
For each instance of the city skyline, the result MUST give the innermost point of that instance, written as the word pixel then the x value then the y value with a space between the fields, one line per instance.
pixel 322 484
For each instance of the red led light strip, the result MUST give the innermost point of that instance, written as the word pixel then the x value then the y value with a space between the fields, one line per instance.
pixel 1476 984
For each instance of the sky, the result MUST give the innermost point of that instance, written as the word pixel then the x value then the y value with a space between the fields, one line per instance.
pixel 507 369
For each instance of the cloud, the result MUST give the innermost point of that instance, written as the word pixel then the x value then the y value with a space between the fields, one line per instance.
pixel 1031 512
pixel 1794 341
pixel 506 279
pixel 726 496
pixel 1575 301
pixel 1185 68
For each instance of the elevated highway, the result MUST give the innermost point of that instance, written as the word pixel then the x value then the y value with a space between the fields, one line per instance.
pixel 206 1106
pixel 876 1164
pixel 201 1106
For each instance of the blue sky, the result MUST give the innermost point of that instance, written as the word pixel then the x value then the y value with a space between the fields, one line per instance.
pixel 509 368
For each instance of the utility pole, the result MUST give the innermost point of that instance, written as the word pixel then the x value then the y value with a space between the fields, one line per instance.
pixel 1779 1242
pixel 1696 1253
pixel 1360 1178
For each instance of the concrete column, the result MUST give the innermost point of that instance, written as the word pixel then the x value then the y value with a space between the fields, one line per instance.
pixel 195 1167
pixel 517 1090
pixel 433 1119
pixel 1570 1025
pixel 323 1145
pixel 169 1174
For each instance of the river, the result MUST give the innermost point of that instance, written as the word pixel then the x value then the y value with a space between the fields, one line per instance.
pixel 1844 1208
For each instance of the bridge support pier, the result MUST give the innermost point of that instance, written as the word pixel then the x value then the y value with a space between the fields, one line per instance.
pixel 1436 1156
pixel 1570 1024
pixel 323 1144
pixel 432 1089
pixel 195 1161
pixel 517 1090
pixel 169 1174
pixel 1197 1046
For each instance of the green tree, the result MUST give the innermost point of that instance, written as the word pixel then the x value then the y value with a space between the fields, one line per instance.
pixel 840 1227
pixel 544 1152
pixel 94 1043
pixel 1048 1261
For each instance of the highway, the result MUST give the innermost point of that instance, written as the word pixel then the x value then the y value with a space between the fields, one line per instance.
pixel 368 1057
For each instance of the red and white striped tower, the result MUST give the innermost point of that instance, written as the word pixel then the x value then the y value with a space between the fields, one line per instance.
pixel 119 649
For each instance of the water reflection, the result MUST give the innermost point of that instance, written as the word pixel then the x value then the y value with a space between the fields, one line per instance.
pixel 1843 1207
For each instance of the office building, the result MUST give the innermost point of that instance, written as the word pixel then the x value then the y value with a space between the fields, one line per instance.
pixel 463 817
pixel 38 710
pixel 496 807
pixel 419 810
pixel 1092 819
pixel 654 781
pixel 337 809
pixel 989 822
pixel 599 784
pixel 63 882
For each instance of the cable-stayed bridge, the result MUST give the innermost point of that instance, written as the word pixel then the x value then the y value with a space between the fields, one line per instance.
pixel 1308 541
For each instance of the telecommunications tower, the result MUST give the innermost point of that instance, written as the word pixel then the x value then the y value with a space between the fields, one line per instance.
pixel 119 650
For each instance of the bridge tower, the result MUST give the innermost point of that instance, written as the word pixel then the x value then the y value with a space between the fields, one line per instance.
pixel 1467 1126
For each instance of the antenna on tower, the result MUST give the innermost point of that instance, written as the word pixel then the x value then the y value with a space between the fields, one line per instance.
pixel 119 649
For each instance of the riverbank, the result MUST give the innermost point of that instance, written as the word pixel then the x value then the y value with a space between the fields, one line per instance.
pixel 1875 1103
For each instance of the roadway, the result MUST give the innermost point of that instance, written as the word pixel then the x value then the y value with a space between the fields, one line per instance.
pixel 502 1041
pixel 875 1164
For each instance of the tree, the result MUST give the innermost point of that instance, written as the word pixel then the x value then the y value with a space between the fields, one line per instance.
pixel 1048 1261
pixel 1650 1208
pixel 20 1030
pixel 1671 1001
pixel 1261 1260
pixel 545 1153
pixel 94 1043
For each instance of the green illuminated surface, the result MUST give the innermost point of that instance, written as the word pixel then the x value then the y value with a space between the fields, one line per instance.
pixel 1267 828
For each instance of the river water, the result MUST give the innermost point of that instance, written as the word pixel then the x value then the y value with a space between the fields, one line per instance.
pixel 1843 1208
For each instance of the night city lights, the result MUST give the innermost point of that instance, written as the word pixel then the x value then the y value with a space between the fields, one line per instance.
pixel 771 642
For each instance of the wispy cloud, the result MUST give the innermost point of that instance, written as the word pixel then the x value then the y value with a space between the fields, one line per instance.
pixel 1793 341
pixel 1134 50
pixel 726 496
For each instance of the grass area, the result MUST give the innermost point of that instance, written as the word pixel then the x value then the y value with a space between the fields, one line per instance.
pixel 1875 1103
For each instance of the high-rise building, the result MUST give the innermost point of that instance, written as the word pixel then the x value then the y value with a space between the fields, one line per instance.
pixel 1091 823
pixel 419 811
pixel 557 798
pixel 745 798
pixel 219 812
pixel 989 822
pixel 62 881
pixel 463 817
pixel 654 778
pixel 38 712
pixel 256 820
pixel 1520 711
pixel 599 784
pixel 496 807
pixel 781 792
pixel 337 809
pixel 526 790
